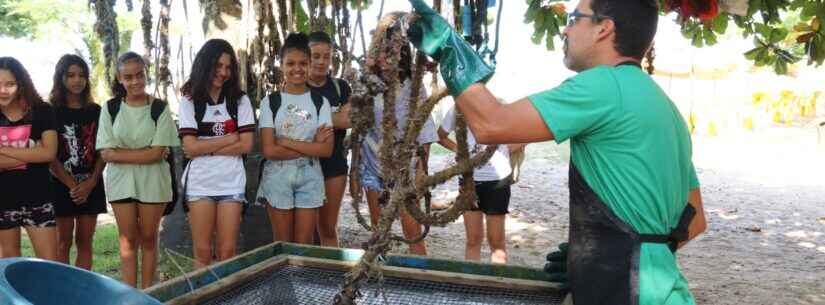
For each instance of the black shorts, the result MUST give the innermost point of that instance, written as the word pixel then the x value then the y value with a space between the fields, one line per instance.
pixel 64 206
pixel 493 197
pixel 334 167
pixel 133 200
pixel 36 215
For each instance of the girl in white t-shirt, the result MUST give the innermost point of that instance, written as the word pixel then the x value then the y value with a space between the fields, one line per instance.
pixel 492 184
pixel 217 126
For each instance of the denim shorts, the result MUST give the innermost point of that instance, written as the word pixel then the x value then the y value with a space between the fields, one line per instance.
pixel 218 199
pixel 290 184
pixel 371 179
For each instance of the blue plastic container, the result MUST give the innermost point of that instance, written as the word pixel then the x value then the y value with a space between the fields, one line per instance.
pixel 29 281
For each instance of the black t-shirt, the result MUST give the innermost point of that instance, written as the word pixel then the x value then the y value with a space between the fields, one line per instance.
pixel 331 92
pixel 27 184
pixel 77 131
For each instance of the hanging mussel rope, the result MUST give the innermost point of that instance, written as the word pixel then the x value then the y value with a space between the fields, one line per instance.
pixel 106 29
pixel 163 75
pixel 146 27
pixel 401 190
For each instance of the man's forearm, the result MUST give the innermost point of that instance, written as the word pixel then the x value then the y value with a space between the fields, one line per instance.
pixel 494 123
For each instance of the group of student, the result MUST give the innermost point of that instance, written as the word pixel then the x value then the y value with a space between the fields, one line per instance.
pixel 53 156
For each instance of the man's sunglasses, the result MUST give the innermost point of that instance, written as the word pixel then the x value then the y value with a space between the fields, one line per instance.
pixel 574 17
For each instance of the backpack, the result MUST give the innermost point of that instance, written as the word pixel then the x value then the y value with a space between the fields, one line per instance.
pixel 231 107
pixel 275 102
pixel 157 107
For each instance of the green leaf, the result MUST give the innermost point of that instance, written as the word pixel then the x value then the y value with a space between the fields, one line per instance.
pixel 762 29
pixel 754 6
pixel 710 37
pixel 539 23
pixel 778 34
pixel 809 10
pixel 360 4
pixel 760 57
pixel 720 23
pixel 537 37
pixel 561 19
pixel 697 40
pixel 780 67
pixel 532 12
pixel 550 44
pixel 820 48
pixel 301 19
pixel 751 55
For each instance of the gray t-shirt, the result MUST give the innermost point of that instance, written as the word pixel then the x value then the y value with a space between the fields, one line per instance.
pixel 297 117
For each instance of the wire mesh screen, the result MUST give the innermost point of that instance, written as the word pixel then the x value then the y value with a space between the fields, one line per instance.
pixel 315 286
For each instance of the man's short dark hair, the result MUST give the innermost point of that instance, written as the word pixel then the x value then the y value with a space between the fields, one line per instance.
pixel 636 22
pixel 319 36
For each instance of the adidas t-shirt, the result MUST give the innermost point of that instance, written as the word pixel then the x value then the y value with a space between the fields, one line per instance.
pixel 497 168
pixel 215 175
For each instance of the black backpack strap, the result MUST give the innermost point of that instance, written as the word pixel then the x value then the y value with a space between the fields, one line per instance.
pixel 274 103
pixel 158 106
pixel 337 83
pixel 232 106
pixel 200 111
pixel 318 100
pixel 113 106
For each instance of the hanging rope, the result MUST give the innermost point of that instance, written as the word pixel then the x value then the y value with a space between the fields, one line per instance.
pixel 163 76
pixel 380 11
pixel 106 29
pixel 480 34
pixel 283 17
pixel 400 190
pixel 146 27
pixel 492 56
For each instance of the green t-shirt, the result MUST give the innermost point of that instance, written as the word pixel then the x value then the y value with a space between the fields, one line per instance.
pixel 135 129
pixel 632 146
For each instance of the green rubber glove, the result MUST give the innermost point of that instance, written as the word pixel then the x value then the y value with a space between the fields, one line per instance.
pixel 556 265
pixel 460 65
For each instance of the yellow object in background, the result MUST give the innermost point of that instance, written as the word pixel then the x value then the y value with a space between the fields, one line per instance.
pixel 748 123
pixel 758 98
pixel 712 129
pixel 692 123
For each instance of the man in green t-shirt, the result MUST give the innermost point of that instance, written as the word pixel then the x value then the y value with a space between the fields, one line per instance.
pixel 634 195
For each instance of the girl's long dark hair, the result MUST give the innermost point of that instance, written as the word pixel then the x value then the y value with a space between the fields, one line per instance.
pixel 27 95
pixel 203 70
pixel 57 97
pixel 118 90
